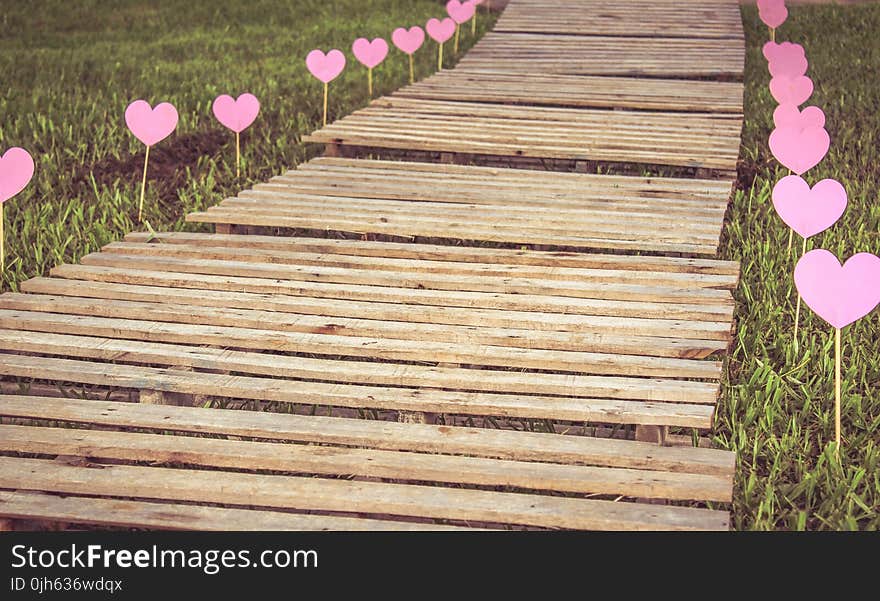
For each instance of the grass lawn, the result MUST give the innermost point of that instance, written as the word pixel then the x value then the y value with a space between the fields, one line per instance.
pixel 70 71
pixel 778 407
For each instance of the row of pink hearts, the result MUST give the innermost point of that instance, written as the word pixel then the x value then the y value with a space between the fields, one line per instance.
pixel 149 125
pixel 838 294
pixel 327 67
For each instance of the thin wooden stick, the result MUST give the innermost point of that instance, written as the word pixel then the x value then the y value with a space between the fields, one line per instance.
pixel 143 185
pixel 412 69
pixel 237 155
pixel 325 104
pixel 457 31
pixel 837 389
pixel 440 57
pixel 474 23
pixel 370 81
pixel 772 34
pixel 797 311
pixel 790 236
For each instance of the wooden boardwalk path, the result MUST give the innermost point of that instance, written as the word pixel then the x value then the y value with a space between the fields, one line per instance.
pixel 385 344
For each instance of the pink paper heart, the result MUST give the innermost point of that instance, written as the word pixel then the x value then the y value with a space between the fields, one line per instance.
pixel 16 170
pixel 774 16
pixel 236 114
pixel 799 149
pixel 788 63
pixel 151 125
pixel 771 50
pixel 408 41
pixel 325 67
pixel 440 31
pixel 791 90
pixel 769 4
pixel 460 12
pixel 788 115
pixel 809 211
pixel 838 294
pixel 370 54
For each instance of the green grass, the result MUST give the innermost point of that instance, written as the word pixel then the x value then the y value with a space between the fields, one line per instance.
pixel 69 74
pixel 778 408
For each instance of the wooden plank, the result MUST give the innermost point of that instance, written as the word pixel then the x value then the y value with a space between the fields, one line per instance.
pixel 606 55
pixel 615 410
pixel 729 270
pixel 578 91
pixel 104 512
pixel 494 185
pixel 375 434
pixel 279 200
pixel 358 372
pixel 550 184
pixel 348 462
pixel 467 232
pixel 643 18
pixel 484 270
pixel 474 340
pixel 415 296
pixel 680 337
pixel 320 494
pixel 622 387
pixel 585 289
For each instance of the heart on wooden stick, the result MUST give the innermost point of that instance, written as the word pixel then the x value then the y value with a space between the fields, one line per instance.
pixel 408 40
pixel 370 54
pixel 326 68
pixel 460 12
pixel 809 211
pixel 150 126
pixel 16 171
pixel 774 15
pixel 440 31
pixel 841 295
pixel 788 115
pixel 799 149
pixel 236 114
pixel 791 90
pixel 772 50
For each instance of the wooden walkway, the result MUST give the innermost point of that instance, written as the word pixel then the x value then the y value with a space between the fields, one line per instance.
pixel 517 349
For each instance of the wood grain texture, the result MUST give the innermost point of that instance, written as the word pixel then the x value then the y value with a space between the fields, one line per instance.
pixel 318 494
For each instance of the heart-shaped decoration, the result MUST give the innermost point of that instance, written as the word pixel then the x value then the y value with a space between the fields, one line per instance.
pixel 325 67
pixel 440 31
pixel 788 115
pixel 789 63
pixel 799 149
pixel 151 125
pixel 774 16
pixel 838 294
pixel 771 50
pixel 791 90
pixel 408 41
pixel 769 4
pixel 809 211
pixel 16 170
pixel 370 54
pixel 460 12
pixel 236 114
